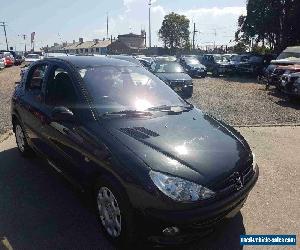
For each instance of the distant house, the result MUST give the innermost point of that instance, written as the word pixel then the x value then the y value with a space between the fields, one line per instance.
pixel 134 41
pixel 125 44
pixel 128 44
pixel 89 47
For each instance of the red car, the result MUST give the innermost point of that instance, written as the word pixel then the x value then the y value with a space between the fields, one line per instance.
pixel 7 61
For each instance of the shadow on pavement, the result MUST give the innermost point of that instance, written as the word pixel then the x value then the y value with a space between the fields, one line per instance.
pixel 40 210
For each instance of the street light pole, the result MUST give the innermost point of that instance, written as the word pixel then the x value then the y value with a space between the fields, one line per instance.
pixel 24 38
pixel 149 23
pixel 4 28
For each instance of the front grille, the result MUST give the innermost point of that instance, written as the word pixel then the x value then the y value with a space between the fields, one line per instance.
pixel 216 218
pixel 177 83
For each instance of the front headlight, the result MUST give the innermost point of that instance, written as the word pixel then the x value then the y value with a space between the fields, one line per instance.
pixel 179 189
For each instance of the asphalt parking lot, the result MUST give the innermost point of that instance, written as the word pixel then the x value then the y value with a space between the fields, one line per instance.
pixel 41 210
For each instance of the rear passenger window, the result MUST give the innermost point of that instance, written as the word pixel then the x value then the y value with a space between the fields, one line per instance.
pixel 37 77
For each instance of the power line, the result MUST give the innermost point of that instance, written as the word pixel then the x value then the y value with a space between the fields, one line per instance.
pixel 4 28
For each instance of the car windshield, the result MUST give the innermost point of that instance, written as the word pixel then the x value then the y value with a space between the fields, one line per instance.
pixel 192 61
pixel 288 55
pixel 124 88
pixel 220 58
pixel 168 67
pixel 33 56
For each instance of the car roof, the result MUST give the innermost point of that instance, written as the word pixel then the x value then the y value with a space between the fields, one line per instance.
pixel 91 61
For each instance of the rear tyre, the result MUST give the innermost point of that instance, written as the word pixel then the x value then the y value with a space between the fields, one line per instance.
pixel 115 213
pixel 21 140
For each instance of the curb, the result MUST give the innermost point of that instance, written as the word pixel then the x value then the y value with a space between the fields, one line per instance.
pixel 267 125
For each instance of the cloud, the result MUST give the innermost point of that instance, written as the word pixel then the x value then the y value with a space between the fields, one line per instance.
pixel 134 17
pixel 216 12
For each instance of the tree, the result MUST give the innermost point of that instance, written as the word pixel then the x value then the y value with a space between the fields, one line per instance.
pixel 273 23
pixel 174 31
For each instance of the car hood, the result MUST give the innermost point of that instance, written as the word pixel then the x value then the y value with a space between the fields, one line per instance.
pixel 173 76
pixel 191 145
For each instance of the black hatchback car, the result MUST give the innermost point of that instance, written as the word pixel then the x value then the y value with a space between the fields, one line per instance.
pixel 157 166
pixel 193 67
pixel 174 75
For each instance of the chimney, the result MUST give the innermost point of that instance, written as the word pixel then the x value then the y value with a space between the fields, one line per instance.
pixel 104 39
pixel 73 41
pixel 96 41
pixel 80 40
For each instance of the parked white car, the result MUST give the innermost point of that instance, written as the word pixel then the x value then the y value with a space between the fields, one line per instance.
pixel 30 58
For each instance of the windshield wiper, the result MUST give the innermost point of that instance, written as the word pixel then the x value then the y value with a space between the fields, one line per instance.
pixel 169 108
pixel 133 113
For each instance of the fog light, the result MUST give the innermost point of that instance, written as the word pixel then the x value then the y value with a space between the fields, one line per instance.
pixel 171 231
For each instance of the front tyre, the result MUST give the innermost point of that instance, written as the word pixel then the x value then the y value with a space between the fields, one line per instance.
pixel 114 212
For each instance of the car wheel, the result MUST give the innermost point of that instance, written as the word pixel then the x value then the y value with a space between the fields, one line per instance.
pixel 114 212
pixel 21 141
pixel 215 72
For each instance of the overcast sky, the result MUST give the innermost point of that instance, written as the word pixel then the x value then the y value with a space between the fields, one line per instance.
pixel 65 20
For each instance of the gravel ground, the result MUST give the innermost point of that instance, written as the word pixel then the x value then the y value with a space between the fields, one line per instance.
pixel 238 101
pixel 241 101
pixel 8 77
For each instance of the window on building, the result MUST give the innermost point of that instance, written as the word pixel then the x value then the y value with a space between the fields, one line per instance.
pixel 92 50
pixel 97 49
pixel 76 51
pixel 81 50
pixel 86 50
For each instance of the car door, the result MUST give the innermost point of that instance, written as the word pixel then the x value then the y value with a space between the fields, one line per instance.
pixel 31 108
pixel 70 138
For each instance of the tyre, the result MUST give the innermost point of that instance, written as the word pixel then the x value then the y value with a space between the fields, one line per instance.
pixel 21 140
pixel 215 72
pixel 115 213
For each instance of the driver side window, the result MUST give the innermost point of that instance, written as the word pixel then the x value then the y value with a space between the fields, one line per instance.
pixel 60 90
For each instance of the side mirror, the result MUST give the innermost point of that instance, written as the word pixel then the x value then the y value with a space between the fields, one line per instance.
pixel 62 114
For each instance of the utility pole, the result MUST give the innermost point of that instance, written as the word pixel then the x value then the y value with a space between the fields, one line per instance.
pixel 149 35
pixel 4 28
pixel 215 33
pixel 106 25
pixel 194 33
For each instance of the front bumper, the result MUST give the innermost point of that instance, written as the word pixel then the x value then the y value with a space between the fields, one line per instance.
pixel 197 222
pixel 199 73
pixel 292 93
pixel 185 91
